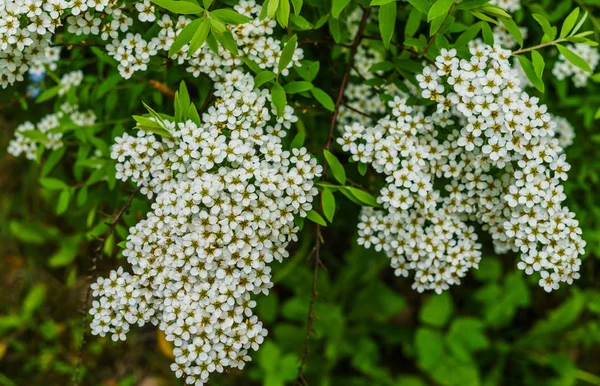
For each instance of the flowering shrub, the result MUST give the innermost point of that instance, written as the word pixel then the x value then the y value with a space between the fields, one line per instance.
pixel 293 151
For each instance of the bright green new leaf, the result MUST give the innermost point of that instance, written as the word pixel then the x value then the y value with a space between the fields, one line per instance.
pixel 437 310
pixel 574 58
pixel 530 72
pixel 337 169
pixel 328 204
pixel 53 183
pixel 229 16
pixel 439 8
pixel 387 22
pixel 514 30
pixel 199 37
pixel 298 140
pixel 297 87
pixel 48 94
pixel 279 98
pixel 549 31
pixel 283 13
pixel 287 54
pixel 363 196
pixel 337 6
pixel 63 201
pixel 316 218
pixel 323 98
pixel 538 63
pixel 569 23
pixel 185 36
pixel 226 40
pixel 263 77
pixel 179 7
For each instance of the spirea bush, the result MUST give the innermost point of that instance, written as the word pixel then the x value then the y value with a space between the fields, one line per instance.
pixel 208 159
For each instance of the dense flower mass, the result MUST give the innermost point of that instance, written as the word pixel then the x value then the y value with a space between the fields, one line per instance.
pixel 28 32
pixel 564 68
pixel 225 197
pixel 47 132
pixel 487 154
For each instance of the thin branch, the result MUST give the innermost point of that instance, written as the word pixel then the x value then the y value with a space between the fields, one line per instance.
pixel 206 104
pixel 349 107
pixel 318 236
pixel 522 50
pixel 432 38
pixel 91 273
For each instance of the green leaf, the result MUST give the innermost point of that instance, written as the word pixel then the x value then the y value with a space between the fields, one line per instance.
pixel 580 23
pixel 569 23
pixel 194 115
pixel 484 17
pixel 108 84
pixel 179 7
pixel 53 184
pixel 495 11
pixel 34 299
pixel 63 201
pixel 272 6
pixel 52 161
pixel 530 72
pixel 380 2
pixel 546 26
pixel 298 140
pixel 387 22
pixel 574 58
pixel 337 169
pixel 226 39
pixel 229 16
pixel 328 204
pixel 297 87
pixel 412 23
pixel 48 94
pixel 297 4
pixel 362 168
pixel 66 253
pixel 338 6
pixel 514 30
pixel 279 99
pixel 437 310
pixel 439 8
pixel 27 233
pixel 287 54
pixel 422 5
pixel 185 36
pixel 538 63
pixel 468 35
pixel 430 347
pixel 316 218
pixel 323 98
pixel 300 22
pixel 263 77
pixel 283 13
pixel 363 196
pixel 199 37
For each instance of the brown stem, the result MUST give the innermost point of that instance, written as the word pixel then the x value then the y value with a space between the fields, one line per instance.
pixel 522 50
pixel 91 274
pixel 318 237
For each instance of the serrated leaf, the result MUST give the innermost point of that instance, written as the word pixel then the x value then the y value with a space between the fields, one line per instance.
pixel 287 53
pixel 328 204
pixel 316 218
pixel 323 98
pixel 439 8
pixel 337 169
pixel 574 58
pixel 387 22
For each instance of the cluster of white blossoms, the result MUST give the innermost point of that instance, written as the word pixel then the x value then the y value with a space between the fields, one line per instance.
pixel 225 197
pixel 564 69
pixel 28 29
pixel 487 154
pixel 29 137
pixel 69 80
pixel 508 5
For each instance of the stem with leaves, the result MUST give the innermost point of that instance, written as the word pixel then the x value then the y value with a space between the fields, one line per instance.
pixel 533 48
pixel 91 274
pixel 318 236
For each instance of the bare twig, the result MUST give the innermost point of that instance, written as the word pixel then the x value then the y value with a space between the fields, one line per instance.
pixel 349 107
pixel 91 273
pixel 318 236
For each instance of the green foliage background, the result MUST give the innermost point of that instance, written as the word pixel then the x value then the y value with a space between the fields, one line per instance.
pixel 371 328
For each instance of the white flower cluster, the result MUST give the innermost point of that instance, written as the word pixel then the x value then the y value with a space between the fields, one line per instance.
pixel 29 137
pixel 564 69
pixel 226 194
pixel 69 80
pixel 27 28
pixel 508 5
pixel 488 154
